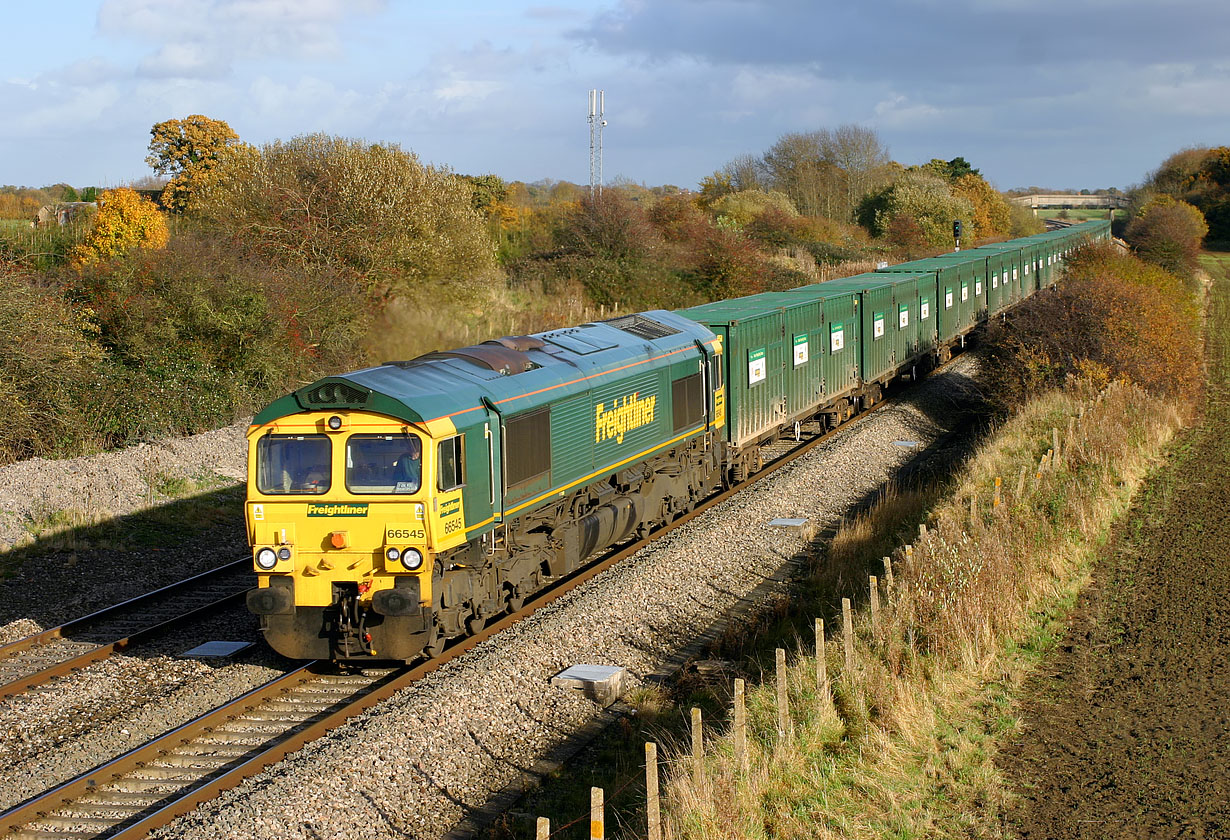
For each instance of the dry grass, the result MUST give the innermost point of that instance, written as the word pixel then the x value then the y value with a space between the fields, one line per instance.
pixel 902 745
pixel 409 328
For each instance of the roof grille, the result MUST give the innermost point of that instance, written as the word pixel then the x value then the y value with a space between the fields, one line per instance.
pixel 332 393
pixel 641 326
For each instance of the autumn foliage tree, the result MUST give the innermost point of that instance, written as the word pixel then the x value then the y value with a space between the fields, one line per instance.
pixel 991 214
pixel 369 209
pixel 188 150
pixel 123 222
pixel 1169 233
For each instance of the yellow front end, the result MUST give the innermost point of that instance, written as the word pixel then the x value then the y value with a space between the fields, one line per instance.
pixel 346 513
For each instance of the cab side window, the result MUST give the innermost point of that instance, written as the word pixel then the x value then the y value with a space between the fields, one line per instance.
pixel 450 473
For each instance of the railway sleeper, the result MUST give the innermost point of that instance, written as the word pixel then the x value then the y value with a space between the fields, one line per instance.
pixel 134 799
pixel 71 822
pixel 108 809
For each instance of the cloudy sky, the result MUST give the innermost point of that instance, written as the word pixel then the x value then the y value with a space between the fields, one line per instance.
pixel 1083 93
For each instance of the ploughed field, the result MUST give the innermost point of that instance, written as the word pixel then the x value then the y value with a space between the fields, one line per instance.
pixel 1127 725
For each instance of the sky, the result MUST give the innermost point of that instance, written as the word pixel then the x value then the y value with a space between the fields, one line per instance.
pixel 1083 93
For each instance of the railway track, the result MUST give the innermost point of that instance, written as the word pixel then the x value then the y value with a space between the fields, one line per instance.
pixel 144 789
pixel 32 662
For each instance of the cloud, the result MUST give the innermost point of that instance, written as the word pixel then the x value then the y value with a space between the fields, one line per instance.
pixel 205 38
pixel 930 37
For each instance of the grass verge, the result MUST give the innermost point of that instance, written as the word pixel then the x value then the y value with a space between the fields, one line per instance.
pixel 902 742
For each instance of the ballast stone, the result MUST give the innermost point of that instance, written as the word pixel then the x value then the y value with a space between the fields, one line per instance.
pixel 601 683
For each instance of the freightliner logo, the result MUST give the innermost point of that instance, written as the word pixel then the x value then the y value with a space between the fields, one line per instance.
pixel 338 509
pixel 626 413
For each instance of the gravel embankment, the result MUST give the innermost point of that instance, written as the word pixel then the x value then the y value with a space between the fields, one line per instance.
pixel 97 487
pixel 81 571
pixel 416 765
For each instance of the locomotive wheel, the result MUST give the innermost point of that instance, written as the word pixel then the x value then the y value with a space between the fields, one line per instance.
pixel 435 641
pixel 514 600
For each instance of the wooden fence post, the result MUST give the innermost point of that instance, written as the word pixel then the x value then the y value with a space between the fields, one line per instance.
pixel 922 531
pixel 888 578
pixel 653 814
pixel 543 830
pixel 783 703
pixel 996 499
pixel 597 827
pixel 1020 485
pixel 1054 445
pixel 822 668
pixel 698 748
pixel 740 728
pixel 875 603
pixel 847 632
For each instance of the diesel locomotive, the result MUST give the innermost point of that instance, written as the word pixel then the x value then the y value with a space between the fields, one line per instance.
pixel 393 508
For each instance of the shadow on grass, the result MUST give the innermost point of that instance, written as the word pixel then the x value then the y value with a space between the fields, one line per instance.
pixel 75 565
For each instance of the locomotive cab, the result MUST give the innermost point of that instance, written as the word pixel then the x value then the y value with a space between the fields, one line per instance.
pixel 346 514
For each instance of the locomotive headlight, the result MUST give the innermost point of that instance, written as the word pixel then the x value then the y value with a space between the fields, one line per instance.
pixel 412 558
pixel 335 422
pixel 283 553
pixel 392 553
pixel 266 559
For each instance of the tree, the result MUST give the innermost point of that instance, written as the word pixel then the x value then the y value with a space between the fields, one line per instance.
pixel 124 221
pixel 826 172
pixel 992 216
pixel 187 150
pixel 862 160
pixel 796 165
pixel 923 197
pixel 488 190
pixel 1168 233
pixel 953 170
pixel 369 209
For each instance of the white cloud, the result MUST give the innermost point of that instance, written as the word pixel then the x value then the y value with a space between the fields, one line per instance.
pixel 898 112
pixel 203 38
pixel 183 61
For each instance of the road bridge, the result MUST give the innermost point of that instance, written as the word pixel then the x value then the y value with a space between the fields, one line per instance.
pixel 1070 202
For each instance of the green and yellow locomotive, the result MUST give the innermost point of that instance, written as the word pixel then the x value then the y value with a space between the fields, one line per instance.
pixel 392 508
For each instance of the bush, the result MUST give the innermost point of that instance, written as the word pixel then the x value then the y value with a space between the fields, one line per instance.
pixel 338 205
pixel 1168 233
pixel 124 222
pixel 1111 317
pixel 192 336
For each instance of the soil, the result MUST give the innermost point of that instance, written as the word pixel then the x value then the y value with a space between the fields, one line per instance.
pixel 1127 723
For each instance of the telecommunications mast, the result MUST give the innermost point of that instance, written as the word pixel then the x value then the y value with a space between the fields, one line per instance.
pixel 597 121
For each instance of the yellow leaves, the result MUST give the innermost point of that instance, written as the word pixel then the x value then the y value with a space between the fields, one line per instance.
pixel 124 221
pixel 992 215
pixel 188 149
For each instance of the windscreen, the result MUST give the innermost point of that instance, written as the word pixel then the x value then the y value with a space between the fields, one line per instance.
pixel 384 464
pixel 293 464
